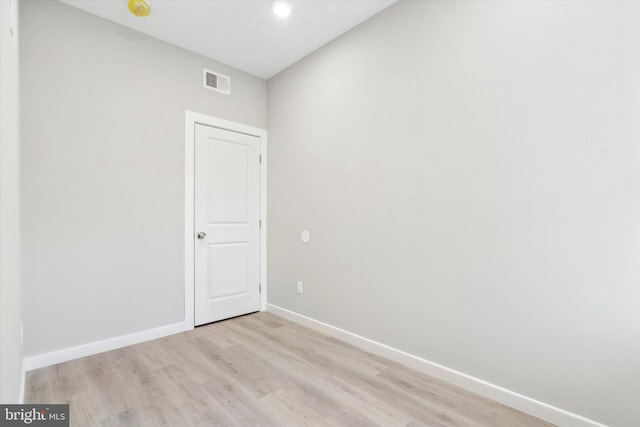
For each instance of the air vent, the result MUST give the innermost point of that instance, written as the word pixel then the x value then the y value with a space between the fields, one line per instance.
pixel 216 81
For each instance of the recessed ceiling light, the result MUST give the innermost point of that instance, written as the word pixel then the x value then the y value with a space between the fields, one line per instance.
pixel 281 8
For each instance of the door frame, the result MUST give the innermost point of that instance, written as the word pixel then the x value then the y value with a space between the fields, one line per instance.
pixel 191 120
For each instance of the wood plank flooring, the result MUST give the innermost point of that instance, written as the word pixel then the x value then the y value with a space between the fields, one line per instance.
pixel 257 370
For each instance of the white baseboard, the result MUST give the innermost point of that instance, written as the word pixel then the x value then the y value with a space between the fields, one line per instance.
pixel 40 361
pixel 510 398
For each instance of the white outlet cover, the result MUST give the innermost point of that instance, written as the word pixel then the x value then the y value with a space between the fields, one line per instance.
pixel 304 236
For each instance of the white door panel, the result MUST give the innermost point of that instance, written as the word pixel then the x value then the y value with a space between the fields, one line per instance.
pixel 227 213
pixel 229 181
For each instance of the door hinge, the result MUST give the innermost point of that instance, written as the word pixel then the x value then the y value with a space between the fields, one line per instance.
pixel 260 288
pixel 260 158
pixel 259 223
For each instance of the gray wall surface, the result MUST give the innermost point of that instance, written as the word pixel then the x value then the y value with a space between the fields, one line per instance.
pixel 103 173
pixel 469 175
pixel 10 305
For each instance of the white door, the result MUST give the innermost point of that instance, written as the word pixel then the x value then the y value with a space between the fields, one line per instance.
pixel 227 231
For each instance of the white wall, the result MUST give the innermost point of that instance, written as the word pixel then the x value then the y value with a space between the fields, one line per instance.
pixel 469 175
pixel 10 306
pixel 103 173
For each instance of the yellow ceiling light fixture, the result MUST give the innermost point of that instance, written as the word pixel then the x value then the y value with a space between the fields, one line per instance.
pixel 139 7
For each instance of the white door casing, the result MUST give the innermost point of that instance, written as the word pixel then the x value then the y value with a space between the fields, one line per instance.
pixel 225 199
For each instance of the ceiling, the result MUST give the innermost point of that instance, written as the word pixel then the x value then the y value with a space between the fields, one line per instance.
pixel 242 33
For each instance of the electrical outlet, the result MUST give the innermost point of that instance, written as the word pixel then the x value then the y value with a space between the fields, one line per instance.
pixel 299 287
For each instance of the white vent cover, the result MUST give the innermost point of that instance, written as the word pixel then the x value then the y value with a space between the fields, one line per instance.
pixel 216 81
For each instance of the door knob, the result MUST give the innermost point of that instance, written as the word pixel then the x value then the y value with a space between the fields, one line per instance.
pixel 201 235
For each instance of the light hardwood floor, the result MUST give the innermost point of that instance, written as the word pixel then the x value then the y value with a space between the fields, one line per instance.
pixel 257 370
